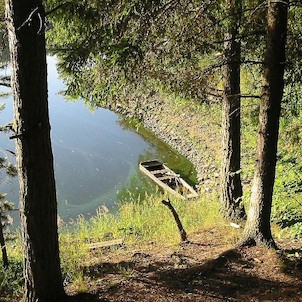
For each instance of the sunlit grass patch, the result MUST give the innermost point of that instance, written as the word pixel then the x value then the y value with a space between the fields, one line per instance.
pixel 148 219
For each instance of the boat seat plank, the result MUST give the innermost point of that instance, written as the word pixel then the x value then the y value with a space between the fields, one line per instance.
pixel 165 177
pixel 153 164
pixel 162 171
pixel 192 195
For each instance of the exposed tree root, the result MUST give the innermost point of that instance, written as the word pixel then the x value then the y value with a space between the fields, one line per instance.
pixel 250 241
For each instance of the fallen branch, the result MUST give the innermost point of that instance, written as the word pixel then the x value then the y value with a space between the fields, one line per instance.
pixel 183 234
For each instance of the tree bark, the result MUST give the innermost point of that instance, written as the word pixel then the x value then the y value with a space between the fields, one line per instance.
pixel 258 228
pixel 231 187
pixel 38 205
pixel 3 246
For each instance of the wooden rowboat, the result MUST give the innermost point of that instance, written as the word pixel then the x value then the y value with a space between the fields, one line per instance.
pixel 167 179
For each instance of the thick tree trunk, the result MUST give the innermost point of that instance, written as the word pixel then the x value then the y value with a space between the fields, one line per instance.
pixel 38 206
pixel 258 229
pixel 231 188
pixel 3 246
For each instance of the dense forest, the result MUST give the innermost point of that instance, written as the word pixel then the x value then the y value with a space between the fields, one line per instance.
pixel 230 68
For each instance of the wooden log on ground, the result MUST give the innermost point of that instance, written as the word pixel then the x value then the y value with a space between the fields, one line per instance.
pixel 116 243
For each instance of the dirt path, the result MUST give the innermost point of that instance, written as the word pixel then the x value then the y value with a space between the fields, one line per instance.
pixel 204 270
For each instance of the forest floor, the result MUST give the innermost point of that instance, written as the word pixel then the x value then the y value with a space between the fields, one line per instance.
pixel 205 269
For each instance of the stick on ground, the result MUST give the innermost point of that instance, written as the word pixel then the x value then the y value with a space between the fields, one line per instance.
pixel 183 234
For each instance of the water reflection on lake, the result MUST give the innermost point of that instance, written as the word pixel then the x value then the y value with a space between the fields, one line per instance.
pixel 96 154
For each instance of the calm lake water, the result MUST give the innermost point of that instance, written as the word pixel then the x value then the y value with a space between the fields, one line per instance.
pixel 96 154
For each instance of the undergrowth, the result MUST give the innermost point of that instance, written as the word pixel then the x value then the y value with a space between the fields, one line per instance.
pixel 11 279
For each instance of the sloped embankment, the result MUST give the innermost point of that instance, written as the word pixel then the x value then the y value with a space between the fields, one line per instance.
pixel 191 129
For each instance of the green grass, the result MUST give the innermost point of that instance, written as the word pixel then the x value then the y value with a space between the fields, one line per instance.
pixel 146 219
pixel 138 223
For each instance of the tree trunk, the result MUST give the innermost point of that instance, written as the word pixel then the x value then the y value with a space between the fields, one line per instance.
pixel 3 247
pixel 231 188
pixel 38 205
pixel 258 229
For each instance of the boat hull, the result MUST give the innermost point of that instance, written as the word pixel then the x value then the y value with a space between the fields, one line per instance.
pixel 167 179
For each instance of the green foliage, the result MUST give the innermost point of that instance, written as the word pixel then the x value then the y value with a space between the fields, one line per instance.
pixel 11 279
pixel 292 102
pixel 105 45
pixel 287 207
pixel 113 49
pixel 9 168
pixel 5 208
pixel 287 213
pixel 295 231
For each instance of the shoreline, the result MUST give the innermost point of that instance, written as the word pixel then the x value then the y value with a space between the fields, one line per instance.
pixel 191 137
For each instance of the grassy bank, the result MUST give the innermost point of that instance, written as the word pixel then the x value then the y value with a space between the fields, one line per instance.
pixel 195 129
pixel 140 223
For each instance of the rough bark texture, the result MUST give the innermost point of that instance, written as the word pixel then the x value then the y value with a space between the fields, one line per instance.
pixel 38 206
pixel 257 229
pixel 3 246
pixel 231 187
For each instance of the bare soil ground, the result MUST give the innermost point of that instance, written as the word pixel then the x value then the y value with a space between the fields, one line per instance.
pixel 206 269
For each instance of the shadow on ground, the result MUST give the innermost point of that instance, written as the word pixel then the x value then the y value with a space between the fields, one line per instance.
pixel 234 275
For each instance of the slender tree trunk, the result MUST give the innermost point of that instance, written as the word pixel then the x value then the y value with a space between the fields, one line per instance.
pixel 38 205
pixel 231 188
pixel 258 228
pixel 3 246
